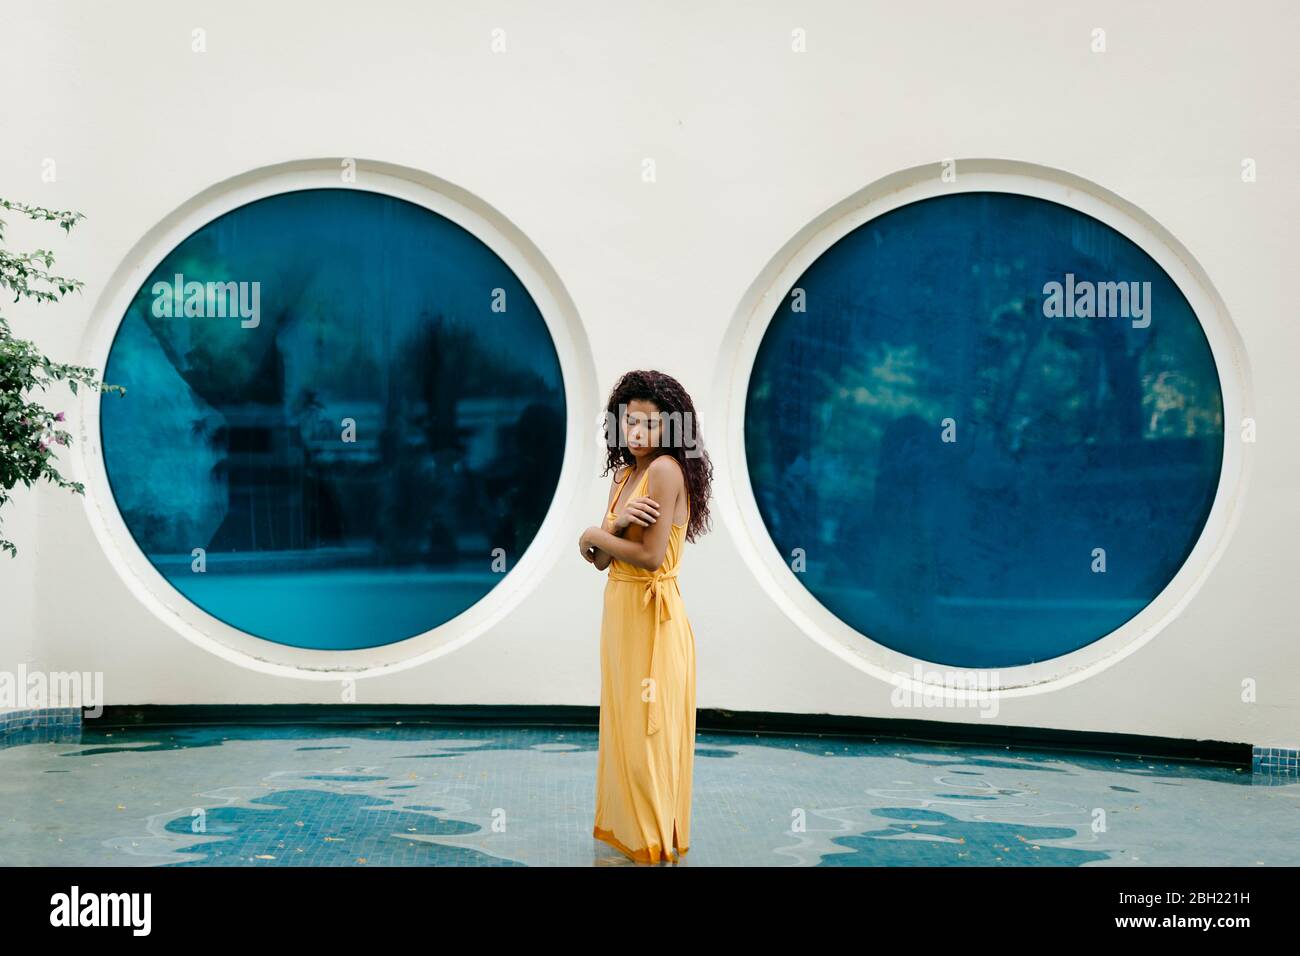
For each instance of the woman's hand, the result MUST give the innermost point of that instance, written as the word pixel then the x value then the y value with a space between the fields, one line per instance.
pixel 643 511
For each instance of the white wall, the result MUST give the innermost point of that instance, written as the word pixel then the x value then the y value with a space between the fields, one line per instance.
pixel 18 596
pixel 751 142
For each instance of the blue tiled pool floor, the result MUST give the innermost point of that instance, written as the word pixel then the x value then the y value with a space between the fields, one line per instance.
pixel 424 795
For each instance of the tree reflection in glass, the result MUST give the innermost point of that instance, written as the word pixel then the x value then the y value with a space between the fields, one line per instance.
pixel 1068 438
pixel 360 463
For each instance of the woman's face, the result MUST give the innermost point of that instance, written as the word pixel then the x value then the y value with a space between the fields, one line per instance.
pixel 641 426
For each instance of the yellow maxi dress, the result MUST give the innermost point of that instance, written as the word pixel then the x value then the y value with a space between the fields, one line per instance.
pixel 647 727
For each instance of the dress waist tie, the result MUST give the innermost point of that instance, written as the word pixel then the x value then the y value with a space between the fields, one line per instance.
pixel 656 586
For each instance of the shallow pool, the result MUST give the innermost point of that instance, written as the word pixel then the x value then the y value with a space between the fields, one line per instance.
pixel 420 794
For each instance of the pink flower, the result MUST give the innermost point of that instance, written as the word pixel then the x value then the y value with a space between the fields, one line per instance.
pixel 59 417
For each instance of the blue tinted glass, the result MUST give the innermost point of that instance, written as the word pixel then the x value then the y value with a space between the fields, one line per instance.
pixel 347 427
pixel 1082 453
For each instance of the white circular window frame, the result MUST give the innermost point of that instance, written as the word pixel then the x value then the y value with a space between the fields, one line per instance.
pixel 568 506
pixel 739 508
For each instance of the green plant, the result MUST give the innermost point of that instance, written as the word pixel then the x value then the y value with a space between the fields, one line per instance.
pixel 29 432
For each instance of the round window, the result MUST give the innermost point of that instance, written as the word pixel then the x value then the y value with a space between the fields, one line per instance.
pixel 344 419
pixel 985 428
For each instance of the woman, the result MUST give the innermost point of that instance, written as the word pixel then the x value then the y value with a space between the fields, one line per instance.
pixel 658 500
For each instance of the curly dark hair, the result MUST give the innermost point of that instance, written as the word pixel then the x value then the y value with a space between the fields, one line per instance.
pixel 682 434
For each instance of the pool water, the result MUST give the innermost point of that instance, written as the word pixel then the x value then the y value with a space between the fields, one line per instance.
pixel 421 794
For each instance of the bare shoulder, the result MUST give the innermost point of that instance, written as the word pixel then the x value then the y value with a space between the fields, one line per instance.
pixel 667 468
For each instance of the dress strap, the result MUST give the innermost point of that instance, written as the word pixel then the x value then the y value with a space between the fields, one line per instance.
pixel 619 493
